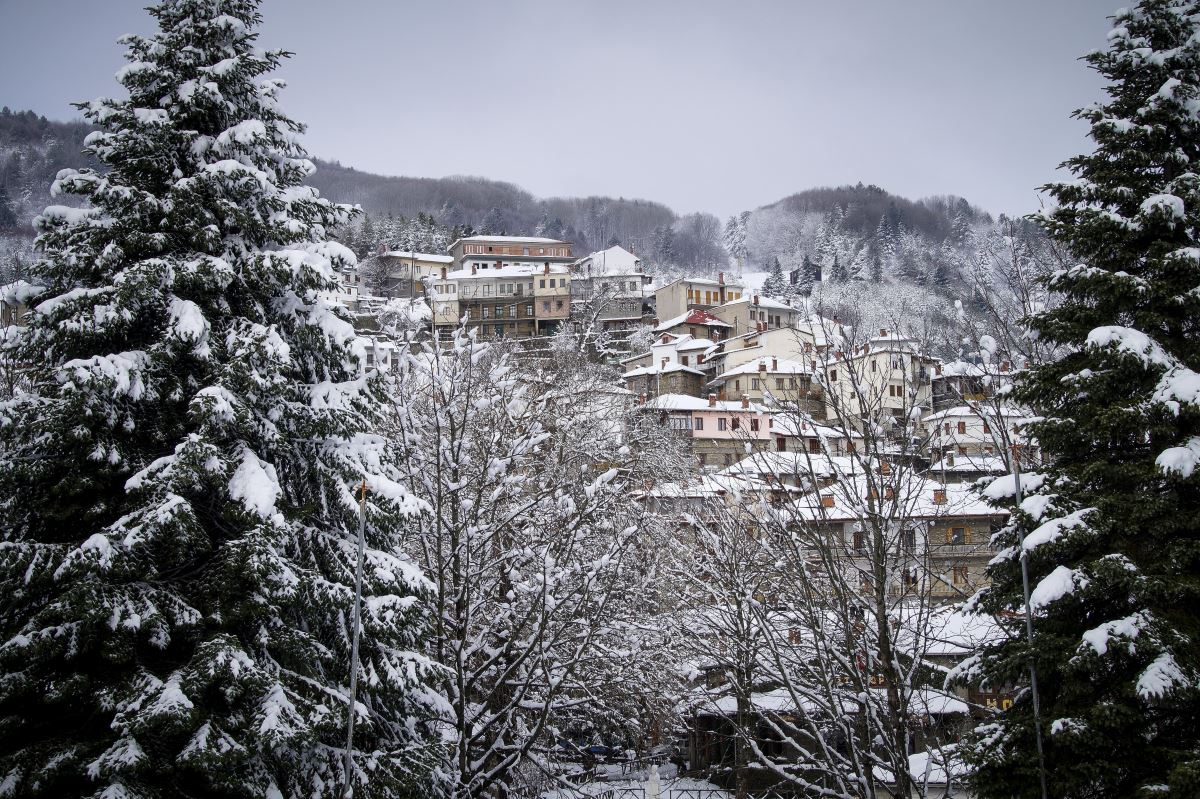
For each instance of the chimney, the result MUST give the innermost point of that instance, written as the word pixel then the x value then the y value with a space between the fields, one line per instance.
pixel 756 299
pixel 827 500
pixel 443 273
pixel 774 364
pixel 1005 366
pixel 883 332
pixel 762 366
pixel 721 278
pixel 546 268
pixel 939 496
pixel 712 400
pixel 472 269
pixel 745 400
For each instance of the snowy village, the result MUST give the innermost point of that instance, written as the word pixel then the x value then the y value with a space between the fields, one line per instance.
pixel 318 483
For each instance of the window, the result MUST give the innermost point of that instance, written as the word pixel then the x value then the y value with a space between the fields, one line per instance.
pixel 986 429
pixel 679 423
pixel 754 425
pixel 737 385
pixel 947 426
pixel 814 446
pixel 558 305
pixel 524 251
pixel 683 359
pixel 487 311
pixel 833 375
pixel 633 285
pixel 698 424
pixel 541 250
pixel 957 535
pixel 703 459
pixel 529 309
pixel 962 575
pixel 779 384
pixel 908 540
pixel 754 384
pixel 499 330
pixel 728 459
pixel 551 282
pixel 860 541
pixel 910 578
pixel 721 422
pixel 506 288
pixel 962 428
pixel 541 284
pixel 545 305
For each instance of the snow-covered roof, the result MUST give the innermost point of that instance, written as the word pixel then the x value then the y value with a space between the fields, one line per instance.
pixel 763 302
pixel 657 370
pixel 1009 413
pixel 916 498
pixel 773 366
pixel 417 256
pixel 530 239
pixel 785 464
pixel 693 317
pixel 803 426
pixel 695 344
pixel 983 464
pixel 682 402
pixel 514 270
pixel 609 263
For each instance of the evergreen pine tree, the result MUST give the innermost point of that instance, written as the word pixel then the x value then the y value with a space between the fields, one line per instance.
pixel 178 526
pixel 1110 531
pixel 837 272
pixel 876 263
pixel 8 218
pixel 775 285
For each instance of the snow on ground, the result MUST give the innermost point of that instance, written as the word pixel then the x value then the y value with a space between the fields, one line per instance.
pixel 670 786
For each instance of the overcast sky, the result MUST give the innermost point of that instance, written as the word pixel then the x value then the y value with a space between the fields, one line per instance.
pixel 702 105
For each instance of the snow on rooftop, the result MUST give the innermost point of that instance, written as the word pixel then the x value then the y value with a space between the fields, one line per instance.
pixel 417 256
pixel 773 366
pixel 693 317
pixel 514 270
pixel 530 239
pixel 762 302
pixel 683 402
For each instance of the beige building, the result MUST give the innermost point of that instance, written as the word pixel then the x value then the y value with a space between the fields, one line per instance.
pixel 886 376
pixel 398 273
pixel 684 294
pixel 755 313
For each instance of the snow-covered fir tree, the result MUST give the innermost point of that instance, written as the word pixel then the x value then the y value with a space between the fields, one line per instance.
pixel 179 524
pixel 1109 529
pixel 776 285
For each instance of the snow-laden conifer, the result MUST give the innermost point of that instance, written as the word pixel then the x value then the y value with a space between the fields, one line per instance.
pixel 177 543
pixel 1109 529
